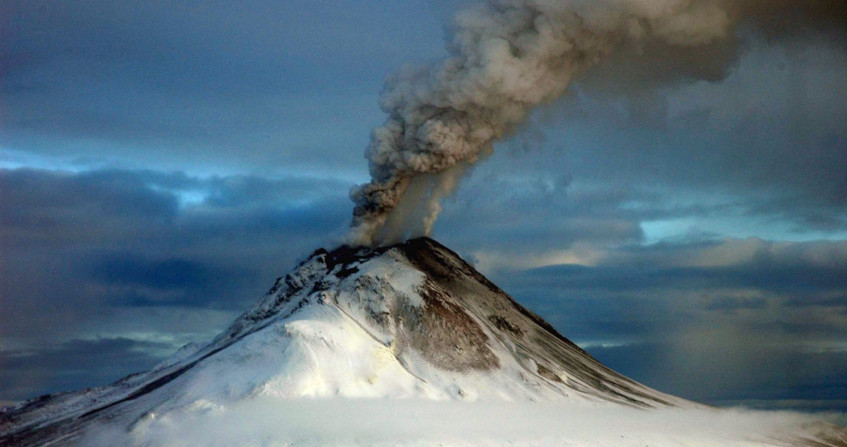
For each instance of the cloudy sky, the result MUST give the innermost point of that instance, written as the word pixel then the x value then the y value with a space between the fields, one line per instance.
pixel 162 162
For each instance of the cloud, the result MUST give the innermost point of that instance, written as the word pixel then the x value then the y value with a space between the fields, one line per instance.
pixel 729 304
pixel 114 252
pixel 523 214
pixel 128 280
pixel 72 365
pixel 46 208
pixel 82 262
pixel 725 374
pixel 762 145
pixel 789 271
pixel 181 85
pixel 835 302
pixel 718 320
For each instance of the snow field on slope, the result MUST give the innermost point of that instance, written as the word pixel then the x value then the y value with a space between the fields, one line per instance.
pixel 318 352
pixel 321 352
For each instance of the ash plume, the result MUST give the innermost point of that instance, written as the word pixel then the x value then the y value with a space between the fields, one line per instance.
pixel 507 57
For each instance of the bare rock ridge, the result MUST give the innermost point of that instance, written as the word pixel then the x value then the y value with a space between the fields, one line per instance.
pixel 411 320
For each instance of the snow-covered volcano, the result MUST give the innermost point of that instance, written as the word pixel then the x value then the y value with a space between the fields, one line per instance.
pixel 411 327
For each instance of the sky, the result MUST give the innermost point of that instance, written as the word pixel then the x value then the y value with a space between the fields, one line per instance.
pixel 161 163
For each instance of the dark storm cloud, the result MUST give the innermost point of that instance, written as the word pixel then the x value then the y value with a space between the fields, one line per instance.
pixel 128 270
pixel 530 203
pixel 239 191
pixel 730 304
pixel 72 365
pixel 526 213
pixel 768 138
pixel 187 82
pixel 634 75
pixel 788 19
pixel 780 375
pixel 759 275
pixel 75 244
pixel 745 322
pixel 130 256
pixel 654 291
pixel 42 209
pixel 130 281
pixel 585 307
pixel 834 302
pixel 825 209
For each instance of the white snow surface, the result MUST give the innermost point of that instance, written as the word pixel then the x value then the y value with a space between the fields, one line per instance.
pixel 324 359
pixel 267 421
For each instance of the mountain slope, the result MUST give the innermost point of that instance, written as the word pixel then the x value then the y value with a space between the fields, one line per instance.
pixel 409 321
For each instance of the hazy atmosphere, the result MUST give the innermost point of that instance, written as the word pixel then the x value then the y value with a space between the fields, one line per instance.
pixel 680 211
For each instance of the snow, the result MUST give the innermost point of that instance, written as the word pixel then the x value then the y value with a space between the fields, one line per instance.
pixel 390 270
pixel 267 421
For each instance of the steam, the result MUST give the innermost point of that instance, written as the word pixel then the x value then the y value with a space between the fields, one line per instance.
pixel 506 58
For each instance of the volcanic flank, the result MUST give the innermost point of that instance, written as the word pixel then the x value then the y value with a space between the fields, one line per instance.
pixel 410 321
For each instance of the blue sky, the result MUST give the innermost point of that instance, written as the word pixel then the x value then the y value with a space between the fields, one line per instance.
pixel 161 163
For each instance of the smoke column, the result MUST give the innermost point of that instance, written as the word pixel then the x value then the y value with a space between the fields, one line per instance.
pixel 507 57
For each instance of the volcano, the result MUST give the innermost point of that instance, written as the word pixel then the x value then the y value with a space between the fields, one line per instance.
pixel 383 346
